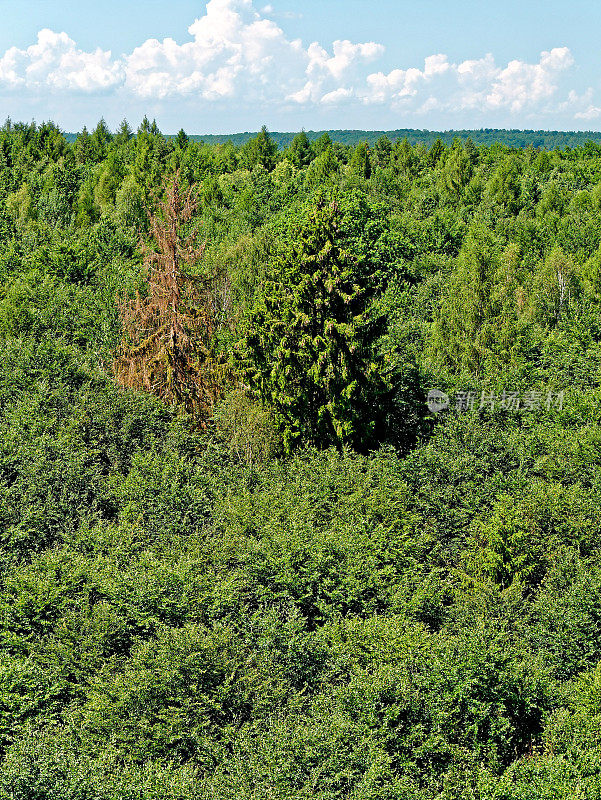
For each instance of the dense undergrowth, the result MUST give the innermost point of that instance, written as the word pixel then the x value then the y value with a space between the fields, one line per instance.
pixel 275 605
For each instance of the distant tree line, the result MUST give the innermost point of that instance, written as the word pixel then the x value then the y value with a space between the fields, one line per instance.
pixel 541 139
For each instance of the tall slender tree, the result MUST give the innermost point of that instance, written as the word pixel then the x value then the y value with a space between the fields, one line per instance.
pixel 167 345
pixel 309 348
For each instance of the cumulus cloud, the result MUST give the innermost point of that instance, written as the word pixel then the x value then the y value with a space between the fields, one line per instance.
pixel 55 62
pixel 582 105
pixel 402 83
pixel 238 53
pixel 520 84
pixel 475 83
pixel 233 50
pixel 325 72
pixel 590 113
pixel 337 96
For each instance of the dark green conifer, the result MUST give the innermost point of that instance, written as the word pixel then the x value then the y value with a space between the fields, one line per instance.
pixel 309 345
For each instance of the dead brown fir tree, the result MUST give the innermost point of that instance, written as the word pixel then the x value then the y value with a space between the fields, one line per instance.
pixel 168 331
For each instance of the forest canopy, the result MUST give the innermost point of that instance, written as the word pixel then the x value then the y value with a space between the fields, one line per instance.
pixel 548 140
pixel 300 486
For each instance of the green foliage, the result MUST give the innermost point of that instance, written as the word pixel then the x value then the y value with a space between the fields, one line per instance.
pixel 300 152
pixel 483 315
pixel 360 163
pixel 457 173
pixel 323 169
pixel 309 348
pixel 554 287
pixel 548 140
pixel 406 605
pixel 504 188
pixel 260 151
pixel 248 429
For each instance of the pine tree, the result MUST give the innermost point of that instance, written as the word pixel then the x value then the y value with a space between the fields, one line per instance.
pixel 456 173
pixel 101 138
pixel 123 134
pixel 260 151
pixel 83 147
pixel 300 152
pixel 181 140
pixel 405 159
pixel 323 169
pixel 360 162
pixel 435 153
pixel 168 334
pixel 383 151
pixel 308 348
pixel 322 144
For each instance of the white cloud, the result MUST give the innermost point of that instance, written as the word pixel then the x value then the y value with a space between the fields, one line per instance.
pixel 436 65
pixel 477 70
pixel 431 104
pixel 337 96
pixel 521 84
pixel 238 54
pixel 592 112
pixel 325 72
pixel 345 55
pixel 475 83
pixel 581 105
pixel 55 62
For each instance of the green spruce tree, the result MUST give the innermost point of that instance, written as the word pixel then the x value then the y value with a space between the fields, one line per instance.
pixel 308 349
pixel 300 152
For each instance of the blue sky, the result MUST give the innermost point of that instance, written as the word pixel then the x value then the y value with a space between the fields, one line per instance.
pixel 231 65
